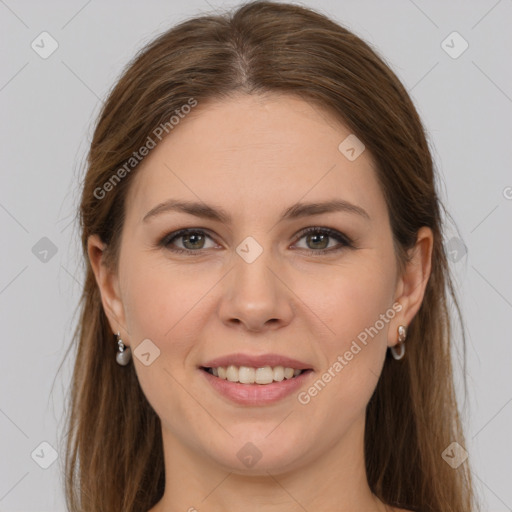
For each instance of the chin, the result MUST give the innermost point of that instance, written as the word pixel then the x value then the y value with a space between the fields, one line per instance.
pixel 258 457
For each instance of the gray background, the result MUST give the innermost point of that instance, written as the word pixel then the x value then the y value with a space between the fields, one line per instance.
pixel 48 108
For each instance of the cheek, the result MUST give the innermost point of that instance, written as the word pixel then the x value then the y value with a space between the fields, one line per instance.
pixel 355 301
pixel 160 300
pixel 353 349
pixel 357 307
pixel 163 305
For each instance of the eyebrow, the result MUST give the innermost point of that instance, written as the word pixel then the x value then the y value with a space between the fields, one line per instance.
pixel 295 211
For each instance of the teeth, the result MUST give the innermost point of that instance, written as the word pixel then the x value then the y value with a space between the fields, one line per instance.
pixel 248 375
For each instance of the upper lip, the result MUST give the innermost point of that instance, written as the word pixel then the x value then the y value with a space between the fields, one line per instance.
pixel 257 361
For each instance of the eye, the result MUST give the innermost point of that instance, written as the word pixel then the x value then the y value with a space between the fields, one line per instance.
pixel 318 238
pixel 193 240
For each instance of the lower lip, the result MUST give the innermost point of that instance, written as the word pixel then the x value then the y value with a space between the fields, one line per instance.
pixel 256 394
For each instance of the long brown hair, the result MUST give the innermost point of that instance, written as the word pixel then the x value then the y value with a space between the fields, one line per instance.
pixel 114 455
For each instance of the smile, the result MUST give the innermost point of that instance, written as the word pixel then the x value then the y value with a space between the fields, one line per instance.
pixel 251 375
pixel 259 387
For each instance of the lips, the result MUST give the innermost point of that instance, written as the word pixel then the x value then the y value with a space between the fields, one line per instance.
pixel 257 361
pixel 289 375
pixel 256 395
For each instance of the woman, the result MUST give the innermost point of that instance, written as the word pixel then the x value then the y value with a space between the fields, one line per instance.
pixel 260 224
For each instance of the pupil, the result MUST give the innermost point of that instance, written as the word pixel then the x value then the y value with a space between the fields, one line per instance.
pixel 320 236
pixel 187 238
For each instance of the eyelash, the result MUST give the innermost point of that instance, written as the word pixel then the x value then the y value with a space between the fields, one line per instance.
pixel 340 237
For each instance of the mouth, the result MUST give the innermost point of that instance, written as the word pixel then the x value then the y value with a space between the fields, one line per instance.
pixel 251 375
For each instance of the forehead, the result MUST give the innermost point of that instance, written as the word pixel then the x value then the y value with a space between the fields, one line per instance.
pixel 256 153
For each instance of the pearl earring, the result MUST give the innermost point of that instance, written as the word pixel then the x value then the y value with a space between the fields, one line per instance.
pixel 124 355
pixel 398 351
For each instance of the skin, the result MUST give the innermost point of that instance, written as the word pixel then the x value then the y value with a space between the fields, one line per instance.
pixel 254 156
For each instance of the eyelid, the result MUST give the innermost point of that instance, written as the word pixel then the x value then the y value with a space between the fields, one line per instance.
pixel 179 233
pixel 333 233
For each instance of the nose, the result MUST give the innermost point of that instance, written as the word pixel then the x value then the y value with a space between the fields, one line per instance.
pixel 255 296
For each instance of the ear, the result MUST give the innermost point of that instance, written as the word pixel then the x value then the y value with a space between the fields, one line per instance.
pixel 108 285
pixel 411 285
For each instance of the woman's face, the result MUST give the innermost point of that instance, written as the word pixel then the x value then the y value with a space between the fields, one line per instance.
pixel 256 285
